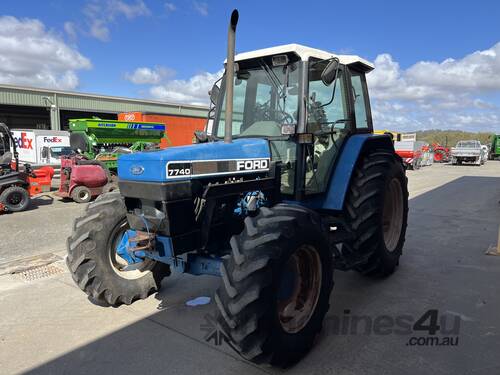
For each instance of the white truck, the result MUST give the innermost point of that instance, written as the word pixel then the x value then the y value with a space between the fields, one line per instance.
pixel 467 152
pixel 41 147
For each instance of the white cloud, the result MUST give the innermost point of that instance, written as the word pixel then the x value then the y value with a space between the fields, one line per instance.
pixel 170 7
pixel 70 29
pixel 129 10
pixel 191 91
pixel 99 14
pixel 201 7
pixel 444 95
pixel 33 56
pixel 144 75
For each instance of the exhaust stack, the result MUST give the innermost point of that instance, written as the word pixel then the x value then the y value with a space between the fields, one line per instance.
pixel 231 37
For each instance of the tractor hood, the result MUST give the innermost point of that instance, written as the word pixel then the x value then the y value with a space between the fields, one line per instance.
pixel 196 161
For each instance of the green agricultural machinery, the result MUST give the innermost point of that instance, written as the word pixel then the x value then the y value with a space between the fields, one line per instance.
pixel 495 147
pixel 105 140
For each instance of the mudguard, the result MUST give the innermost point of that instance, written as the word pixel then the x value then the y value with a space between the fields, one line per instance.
pixel 14 178
pixel 333 199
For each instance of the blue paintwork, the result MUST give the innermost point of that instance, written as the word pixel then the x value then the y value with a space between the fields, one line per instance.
pixel 194 264
pixel 125 249
pixel 334 197
pixel 242 207
pixel 154 163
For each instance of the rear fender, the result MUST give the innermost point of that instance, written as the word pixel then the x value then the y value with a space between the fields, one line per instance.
pixel 353 149
pixel 17 179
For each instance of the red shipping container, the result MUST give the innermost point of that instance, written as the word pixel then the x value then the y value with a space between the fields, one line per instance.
pixel 180 130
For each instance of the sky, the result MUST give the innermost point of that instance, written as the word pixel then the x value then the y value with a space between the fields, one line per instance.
pixel 437 63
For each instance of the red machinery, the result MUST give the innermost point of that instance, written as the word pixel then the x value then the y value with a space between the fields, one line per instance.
pixel 18 186
pixel 82 179
pixel 410 152
pixel 441 153
pixel 40 180
pixel 16 195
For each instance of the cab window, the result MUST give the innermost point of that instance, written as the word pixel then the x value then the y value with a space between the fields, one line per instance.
pixel 328 121
pixel 360 101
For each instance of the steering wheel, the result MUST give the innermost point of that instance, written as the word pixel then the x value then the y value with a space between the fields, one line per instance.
pixel 266 113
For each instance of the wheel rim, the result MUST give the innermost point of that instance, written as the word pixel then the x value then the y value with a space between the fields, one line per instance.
pixel 15 199
pixel 83 195
pixel 393 214
pixel 121 267
pixel 299 289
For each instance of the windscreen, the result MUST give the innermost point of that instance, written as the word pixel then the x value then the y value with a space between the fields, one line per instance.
pixel 59 151
pixel 265 98
pixel 468 144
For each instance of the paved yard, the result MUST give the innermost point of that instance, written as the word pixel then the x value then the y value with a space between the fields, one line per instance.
pixel 49 327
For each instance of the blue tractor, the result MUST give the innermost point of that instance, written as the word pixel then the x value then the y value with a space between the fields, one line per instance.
pixel 289 183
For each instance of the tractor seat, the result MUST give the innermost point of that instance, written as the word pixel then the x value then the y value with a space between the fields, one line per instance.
pixel 6 159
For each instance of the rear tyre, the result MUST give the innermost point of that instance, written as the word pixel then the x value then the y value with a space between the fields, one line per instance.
pixel 376 209
pixel 108 188
pixel 439 156
pixel 81 194
pixel 276 286
pixel 15 199
pixel 94 264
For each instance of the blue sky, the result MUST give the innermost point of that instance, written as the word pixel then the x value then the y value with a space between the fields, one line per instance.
pixel 437 62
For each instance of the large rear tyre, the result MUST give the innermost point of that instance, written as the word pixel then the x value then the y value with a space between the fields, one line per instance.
pixel 94 264
pixel 15 198
pixel 376 209
pixel 276 285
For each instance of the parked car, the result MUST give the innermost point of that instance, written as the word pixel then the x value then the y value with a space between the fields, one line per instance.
pixel 467 152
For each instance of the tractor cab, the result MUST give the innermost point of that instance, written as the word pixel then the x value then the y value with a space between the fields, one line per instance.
pixel 305 101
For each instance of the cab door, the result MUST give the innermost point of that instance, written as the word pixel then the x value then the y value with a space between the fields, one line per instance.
pixel 361 101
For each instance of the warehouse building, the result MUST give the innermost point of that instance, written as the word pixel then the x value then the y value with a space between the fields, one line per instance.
pixel 34 108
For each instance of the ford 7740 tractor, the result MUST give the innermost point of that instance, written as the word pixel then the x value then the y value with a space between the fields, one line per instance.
pixel 290 184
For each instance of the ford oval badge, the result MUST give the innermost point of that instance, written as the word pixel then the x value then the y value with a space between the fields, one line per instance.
pixel 136 169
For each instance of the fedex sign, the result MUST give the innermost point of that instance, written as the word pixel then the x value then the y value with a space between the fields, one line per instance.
pixel 24 142
pixel 52 139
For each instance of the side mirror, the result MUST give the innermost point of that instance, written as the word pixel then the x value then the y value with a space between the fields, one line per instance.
pixel 329 73
pixel 45 152
pixel 214 94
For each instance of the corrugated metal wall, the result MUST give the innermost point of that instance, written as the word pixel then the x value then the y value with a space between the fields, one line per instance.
pixel 74 101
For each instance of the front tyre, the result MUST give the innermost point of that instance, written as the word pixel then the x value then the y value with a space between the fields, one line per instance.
pixel 376 209
pixel 81 194
pixel 15 198
pixel 94 263
pixel 276 285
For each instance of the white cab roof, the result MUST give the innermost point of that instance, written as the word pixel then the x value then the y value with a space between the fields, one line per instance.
pixel 305 53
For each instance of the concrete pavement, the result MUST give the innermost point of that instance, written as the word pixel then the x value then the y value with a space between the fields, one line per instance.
pixel 49 327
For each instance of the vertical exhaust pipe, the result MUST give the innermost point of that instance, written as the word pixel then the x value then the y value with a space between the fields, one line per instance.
pixel 231 37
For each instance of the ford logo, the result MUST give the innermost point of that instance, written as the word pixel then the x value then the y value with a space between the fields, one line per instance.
pixel 136 169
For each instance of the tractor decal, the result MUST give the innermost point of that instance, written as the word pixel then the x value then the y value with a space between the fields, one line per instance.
pixel 200 168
